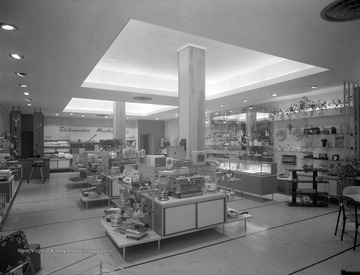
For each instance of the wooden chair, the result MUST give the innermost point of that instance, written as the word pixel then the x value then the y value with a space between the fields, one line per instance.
pixel 350 211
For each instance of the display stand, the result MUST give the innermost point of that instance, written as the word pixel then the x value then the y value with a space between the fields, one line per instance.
pixel 122 241
pixel 85 200
pixel 311 193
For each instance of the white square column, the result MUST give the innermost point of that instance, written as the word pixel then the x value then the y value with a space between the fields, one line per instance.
pixel 119 121
pixel 192 97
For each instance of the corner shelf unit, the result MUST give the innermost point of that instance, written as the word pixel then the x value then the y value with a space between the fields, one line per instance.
pixel 316 199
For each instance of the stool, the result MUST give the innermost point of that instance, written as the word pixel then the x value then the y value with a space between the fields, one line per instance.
pixel 40 165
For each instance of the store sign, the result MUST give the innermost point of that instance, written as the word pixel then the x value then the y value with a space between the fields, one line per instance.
pixel 77 133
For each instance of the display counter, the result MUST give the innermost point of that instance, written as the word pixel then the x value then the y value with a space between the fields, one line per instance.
pixel 197 213
pixel 257 178
pixel 27 165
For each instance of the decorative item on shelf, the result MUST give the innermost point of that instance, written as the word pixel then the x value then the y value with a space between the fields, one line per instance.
pixel 308 167
pixel 281 135
pixel 290 127
pixel 297 134
pixel 308 130
pixel 323 156
pixel 335 157
pixel 308 155
pixel 315 130
pixel 325 131
pixel 324 142
pixel 333 130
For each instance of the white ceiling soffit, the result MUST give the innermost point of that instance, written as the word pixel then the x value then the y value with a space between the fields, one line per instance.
pixel 91 106
pixel 143 58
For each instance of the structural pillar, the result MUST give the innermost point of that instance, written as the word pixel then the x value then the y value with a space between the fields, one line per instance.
pixel 192 97
pixel 119 121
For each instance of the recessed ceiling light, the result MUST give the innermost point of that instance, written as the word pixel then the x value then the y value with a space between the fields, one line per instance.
pixel 244 100
pixel 230 111
pixel 82 115
pixel 127 117
pixel 27 99
pixel 8 27
pixel 250 107
pixel 274 94
pixel 313 86
pixel 26 93
pixel 16 56
pixel 221 105
pixel 29 104
pixel 166 117
pixel 23 85
pixel 176 114
pixel 71 114
pixel 157 118
pixel 111 59
pixel 20 74
pixel 106 116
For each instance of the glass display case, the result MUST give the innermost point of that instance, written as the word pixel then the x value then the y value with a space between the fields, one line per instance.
pixel 248 167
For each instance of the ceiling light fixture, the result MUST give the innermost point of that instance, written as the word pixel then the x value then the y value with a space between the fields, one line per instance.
pixel 27 99
pixel 274 94
pixel 82 115
pixel 176 114
pixel 20 74
pixel 221 105
pixel 341 11
pixel 313 87
pixel 71 114
pixel 23 85
pixel 244 100
pixel 29 104
pixel 8 27
pixel 16 56
pixel 56 114
pixel 26 93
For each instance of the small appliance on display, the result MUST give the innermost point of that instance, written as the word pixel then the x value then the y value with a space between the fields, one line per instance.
pixel 176 152
pixel 198 157
pixel 169 162
pixel 183 187
pixel 156 161
pixel 288 159
pixel 136 231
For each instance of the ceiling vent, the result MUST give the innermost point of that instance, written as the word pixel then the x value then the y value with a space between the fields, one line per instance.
pixel 342 11
pixel 142 98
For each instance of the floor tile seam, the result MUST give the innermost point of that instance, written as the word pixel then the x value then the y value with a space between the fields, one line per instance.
pixel 62 198
pixel 73 242
pixel 323 260
pixel 41 211
pixel 223 241
pixel 47 224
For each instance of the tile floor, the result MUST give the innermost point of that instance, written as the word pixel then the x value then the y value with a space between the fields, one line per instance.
pixel 279 239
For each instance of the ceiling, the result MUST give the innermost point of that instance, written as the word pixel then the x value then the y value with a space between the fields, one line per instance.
pixel 117 50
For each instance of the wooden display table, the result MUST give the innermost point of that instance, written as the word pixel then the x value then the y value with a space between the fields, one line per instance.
pixel 122 241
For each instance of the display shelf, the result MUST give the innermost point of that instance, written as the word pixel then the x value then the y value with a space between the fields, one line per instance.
pixel 307 196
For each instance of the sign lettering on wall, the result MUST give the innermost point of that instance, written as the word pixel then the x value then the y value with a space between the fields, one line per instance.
pixel 78 133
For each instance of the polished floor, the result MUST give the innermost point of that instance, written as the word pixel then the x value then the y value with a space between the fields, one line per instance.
pixel 279 239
